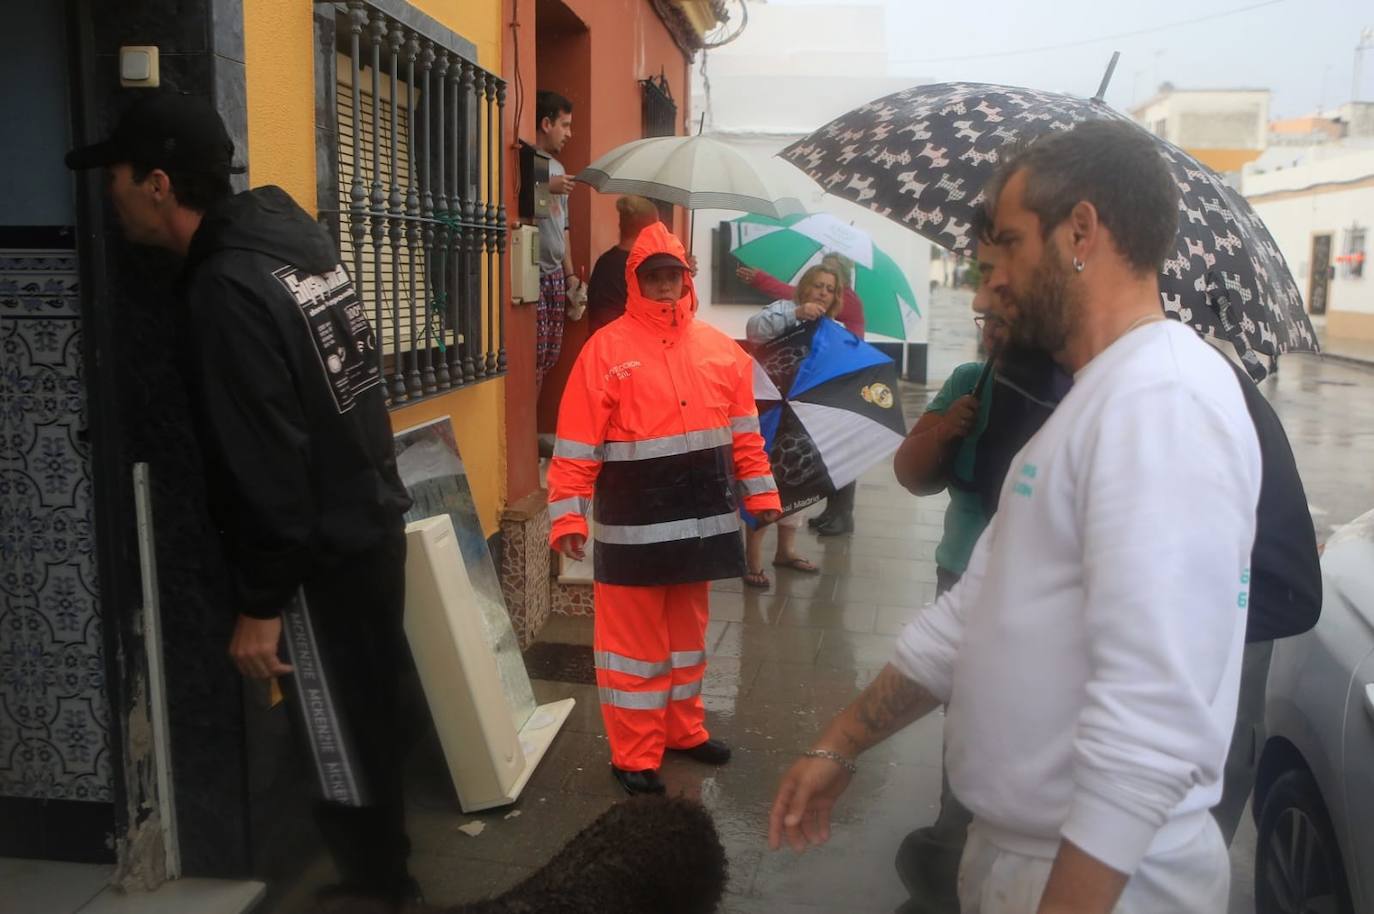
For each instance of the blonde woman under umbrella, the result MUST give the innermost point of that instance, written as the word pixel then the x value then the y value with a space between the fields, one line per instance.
pixel 820 294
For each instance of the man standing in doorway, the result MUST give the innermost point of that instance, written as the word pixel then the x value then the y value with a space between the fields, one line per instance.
pixel 553 116
pixel 292 423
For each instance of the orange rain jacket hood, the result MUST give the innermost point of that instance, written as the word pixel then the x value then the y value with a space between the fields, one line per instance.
pixel 658 424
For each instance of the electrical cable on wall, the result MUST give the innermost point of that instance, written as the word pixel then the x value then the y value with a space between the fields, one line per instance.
pixel 706 88
pixel 519 92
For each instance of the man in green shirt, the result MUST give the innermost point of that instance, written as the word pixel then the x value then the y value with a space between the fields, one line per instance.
pixel 956 418
pixel 941 450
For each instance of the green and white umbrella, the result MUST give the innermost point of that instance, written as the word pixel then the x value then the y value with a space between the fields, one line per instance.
pixel 786 248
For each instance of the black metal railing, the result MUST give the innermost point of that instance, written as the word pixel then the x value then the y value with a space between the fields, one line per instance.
pixel 657 108
pixel 417 172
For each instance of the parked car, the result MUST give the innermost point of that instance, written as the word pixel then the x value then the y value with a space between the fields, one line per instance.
pixel 1314 790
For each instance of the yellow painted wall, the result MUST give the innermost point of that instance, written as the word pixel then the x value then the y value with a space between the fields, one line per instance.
pixel 279 57
pixel 479 21
pixel 280 64
pixel 279 48
pixel 476 412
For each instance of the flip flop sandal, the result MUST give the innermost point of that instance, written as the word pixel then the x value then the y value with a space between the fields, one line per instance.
pixel 757 579
pixel 798 564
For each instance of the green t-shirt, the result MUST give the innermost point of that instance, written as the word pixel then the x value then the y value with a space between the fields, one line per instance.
pixel 964 518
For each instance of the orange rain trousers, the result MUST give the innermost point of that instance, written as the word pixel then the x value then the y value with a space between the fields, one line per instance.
pixel 650 645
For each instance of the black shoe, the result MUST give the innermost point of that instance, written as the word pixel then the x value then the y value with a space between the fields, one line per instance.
pixel 410 892
pixel 711 752
pixel 820 520
pixel 397 896
pixel 835 526
pixel 636 782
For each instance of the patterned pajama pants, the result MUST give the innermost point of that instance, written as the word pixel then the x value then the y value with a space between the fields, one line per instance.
pixel 553 304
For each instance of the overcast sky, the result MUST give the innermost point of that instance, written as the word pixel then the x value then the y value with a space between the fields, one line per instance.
pixel 1302 50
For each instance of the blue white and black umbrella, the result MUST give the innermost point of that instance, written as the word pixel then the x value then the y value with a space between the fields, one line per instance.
pixel 828 407
pixel 922 157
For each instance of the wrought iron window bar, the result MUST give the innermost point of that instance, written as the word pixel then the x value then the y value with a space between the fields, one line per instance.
pixel 657 108
pixel 418 167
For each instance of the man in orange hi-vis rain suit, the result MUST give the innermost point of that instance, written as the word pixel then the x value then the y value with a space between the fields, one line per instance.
pixel 658 420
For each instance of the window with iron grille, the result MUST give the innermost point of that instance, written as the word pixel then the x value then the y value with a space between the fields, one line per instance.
pixel 410 176
pixel 1354 252
pixel 659 109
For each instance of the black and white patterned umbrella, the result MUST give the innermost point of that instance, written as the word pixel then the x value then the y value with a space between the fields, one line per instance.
pixel 922 156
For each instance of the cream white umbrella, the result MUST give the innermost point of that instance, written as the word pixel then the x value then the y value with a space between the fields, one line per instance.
pixel 698 172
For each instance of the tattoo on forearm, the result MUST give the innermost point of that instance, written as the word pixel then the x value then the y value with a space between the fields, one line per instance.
pixel 885 706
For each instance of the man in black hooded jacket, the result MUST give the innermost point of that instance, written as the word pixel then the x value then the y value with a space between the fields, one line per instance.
pixel 291 417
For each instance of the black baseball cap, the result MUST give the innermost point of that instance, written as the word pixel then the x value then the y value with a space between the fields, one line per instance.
pixel 170 131
pixel 661 259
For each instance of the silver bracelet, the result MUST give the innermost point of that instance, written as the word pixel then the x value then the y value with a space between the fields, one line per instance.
pixel 846 763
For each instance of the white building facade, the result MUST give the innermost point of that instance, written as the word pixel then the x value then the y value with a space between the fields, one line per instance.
pixel 1224 129
pixel 1318 203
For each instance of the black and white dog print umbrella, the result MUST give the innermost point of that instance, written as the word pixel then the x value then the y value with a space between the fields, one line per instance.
pixel 922 157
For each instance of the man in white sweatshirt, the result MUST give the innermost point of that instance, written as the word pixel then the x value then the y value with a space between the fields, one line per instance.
pixel 1090 656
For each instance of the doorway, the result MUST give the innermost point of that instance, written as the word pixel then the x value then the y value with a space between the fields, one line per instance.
pixel 1319 283
pixel 57 783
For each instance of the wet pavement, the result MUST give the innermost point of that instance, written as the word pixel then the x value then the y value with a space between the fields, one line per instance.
pixel 782 661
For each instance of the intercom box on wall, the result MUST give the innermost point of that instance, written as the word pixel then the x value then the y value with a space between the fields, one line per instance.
pixel 524 264
pixel 534 182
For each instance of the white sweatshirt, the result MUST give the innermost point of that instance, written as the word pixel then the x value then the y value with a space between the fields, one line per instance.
pixel 1090 656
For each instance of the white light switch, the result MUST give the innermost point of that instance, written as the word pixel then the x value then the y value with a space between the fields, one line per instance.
pixel 138 66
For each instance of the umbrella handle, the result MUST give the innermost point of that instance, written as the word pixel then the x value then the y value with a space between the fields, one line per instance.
pixel 691 213
pixel 1107 77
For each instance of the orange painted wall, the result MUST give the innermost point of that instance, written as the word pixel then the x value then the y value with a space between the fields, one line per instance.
pixel 522 454
pixel 599 70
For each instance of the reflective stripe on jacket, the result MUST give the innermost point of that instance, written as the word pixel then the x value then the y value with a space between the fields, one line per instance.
pixel 658 425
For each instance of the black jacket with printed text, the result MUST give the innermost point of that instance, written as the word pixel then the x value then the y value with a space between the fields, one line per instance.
pixel 289 403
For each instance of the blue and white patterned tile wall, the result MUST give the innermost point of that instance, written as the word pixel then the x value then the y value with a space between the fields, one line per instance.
pixel 54 723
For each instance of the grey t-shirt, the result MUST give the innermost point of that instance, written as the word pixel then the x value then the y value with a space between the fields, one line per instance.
pixel 553 239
